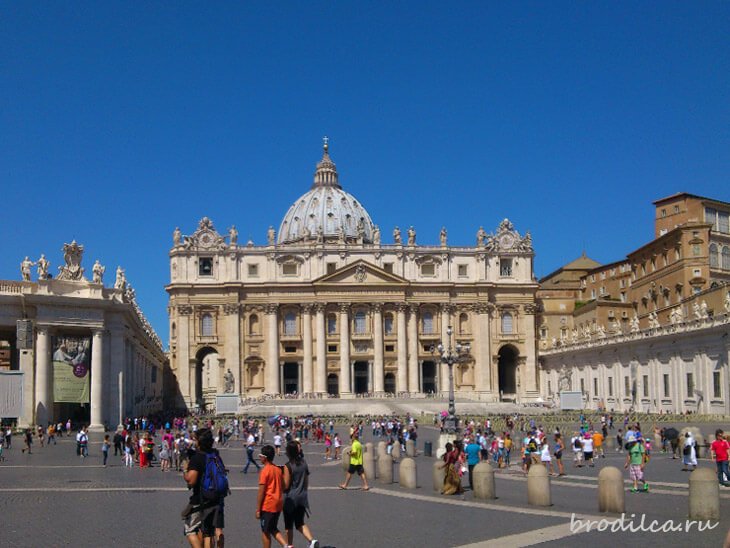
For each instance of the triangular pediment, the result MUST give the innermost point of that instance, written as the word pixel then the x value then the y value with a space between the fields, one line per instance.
pixel 361 272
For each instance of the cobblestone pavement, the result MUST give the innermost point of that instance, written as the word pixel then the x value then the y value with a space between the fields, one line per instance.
pixel 54 498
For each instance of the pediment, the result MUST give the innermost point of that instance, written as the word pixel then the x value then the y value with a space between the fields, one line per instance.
pixel 361 273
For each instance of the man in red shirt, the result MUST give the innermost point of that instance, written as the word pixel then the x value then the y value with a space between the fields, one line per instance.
pixel 270 500
pixel 720 448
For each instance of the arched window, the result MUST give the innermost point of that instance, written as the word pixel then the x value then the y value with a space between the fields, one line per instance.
pixel 173 330
pixel 206 325
pixel 714 256
pixel 331 324
pixel 253 325
pixel 463 323
pixel 427 320
pixel 290 324
pixel 726 258
pixel 507 323
pixel 359 322
pixel 388 324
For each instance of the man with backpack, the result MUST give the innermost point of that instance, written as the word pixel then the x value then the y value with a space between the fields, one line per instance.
pixel 206 475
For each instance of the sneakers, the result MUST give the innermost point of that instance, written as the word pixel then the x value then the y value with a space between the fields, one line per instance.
pixel 634 490
pixel 314 544
pixel 646 487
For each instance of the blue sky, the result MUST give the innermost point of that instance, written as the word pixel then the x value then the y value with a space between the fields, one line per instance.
pixel 120 121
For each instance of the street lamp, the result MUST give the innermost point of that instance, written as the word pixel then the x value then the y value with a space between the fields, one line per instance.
pixel 450 355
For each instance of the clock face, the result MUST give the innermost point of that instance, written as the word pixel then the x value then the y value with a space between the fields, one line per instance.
pixel 206 239
pixel 506 241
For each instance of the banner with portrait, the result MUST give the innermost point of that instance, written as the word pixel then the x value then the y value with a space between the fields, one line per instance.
pixel 71 364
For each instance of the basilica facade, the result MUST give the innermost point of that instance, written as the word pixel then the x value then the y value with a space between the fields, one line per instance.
pixel 326 307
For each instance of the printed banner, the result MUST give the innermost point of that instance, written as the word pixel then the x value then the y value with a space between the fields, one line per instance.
pixel 71 363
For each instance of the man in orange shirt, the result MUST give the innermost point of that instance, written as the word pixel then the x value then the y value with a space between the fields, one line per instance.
pixel 270 501
pixel 598 444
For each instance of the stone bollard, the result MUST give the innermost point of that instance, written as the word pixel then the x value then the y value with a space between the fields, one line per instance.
pixel 611 492
pixel 704 495
pixel 368 447
pixel 385 468
pixel 368 463
pixel 407 473
pixel 439 474
pixel 396 452
pixel 382 447
pixel 484 487
pixel 609 442
pixel 538 486
pixel 410 448
pixel 346 458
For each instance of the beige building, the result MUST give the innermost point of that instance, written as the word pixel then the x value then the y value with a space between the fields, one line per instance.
pixel 327 307
pixel 82 350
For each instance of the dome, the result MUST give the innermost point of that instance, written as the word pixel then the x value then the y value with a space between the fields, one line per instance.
pixel 326 212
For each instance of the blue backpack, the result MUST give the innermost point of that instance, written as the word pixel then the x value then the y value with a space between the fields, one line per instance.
pixel 214 484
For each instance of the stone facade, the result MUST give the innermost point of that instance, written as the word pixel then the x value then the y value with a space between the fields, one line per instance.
pixel 126 358
pixel 329 308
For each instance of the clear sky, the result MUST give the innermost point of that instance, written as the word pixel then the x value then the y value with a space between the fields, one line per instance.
pixel 121 120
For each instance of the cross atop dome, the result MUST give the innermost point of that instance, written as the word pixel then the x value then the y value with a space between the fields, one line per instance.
pixel 326 174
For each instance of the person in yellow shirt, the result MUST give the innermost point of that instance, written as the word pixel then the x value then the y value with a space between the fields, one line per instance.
pixel 598 444
pixel 355 464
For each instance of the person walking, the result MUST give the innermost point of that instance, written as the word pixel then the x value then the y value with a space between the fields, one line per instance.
pixel 559 448
pixel 577 444
pixel 28 440
pixel 270 499
pixel 296 500
pixel 588 449
pixel 472 451
pixel 250 446
pixel 635 463
pixel 689 452
pixel 355 464
pixel 105 448
pixel 719 450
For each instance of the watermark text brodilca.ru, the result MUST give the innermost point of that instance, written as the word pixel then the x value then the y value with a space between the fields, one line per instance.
pixel 635 524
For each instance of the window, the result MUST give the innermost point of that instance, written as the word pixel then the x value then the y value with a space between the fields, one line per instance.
pixel 388 267
pixel 154 375
pixel 331 267
pixel 388 324
pixel 627 387
pixel 507 323
pixel 676 209
pixel 595 388
pixel 253 270
pixel 645 385
pixel 505 267
pixel 206 325
pixel 253 325
pixel 697 273
pixel 582 386
pixel 714 256
pixel 428 269
pixel 390 348
pixel 427 321
pixel 205 266
pixel 289 269
pixel 593 293
pixel 550 389
pixel 622 296
pixel 711 217
pixel 463 270
pixel 610 387
pixel 666 385
pixel 690 385
pixel 543 332
pixel 290 324
pixel 716 391
pixel 696 250
pixel 359 322
pixel 664 213
pixel 726 258
pixel 723 222
pixel 290 349
pixel 603 275
pixel 463 323
pixel 331 348
pixel 173 331
pixel 331 324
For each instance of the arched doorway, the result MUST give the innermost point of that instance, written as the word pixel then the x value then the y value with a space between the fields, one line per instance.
pixel 206 376
pixel 291 377
pixel 360 377
pixel 428 377
pixel 389 383
pixel 333 384
pixel 507 369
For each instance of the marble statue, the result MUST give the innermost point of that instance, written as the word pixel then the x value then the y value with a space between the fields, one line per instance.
pixel 121 280
pixel 376 235
pixel 230 382
pixel 271 235
pixel 616 327
pixel 635 324
pixel 25 267
pixel 554 342
pixel 72 255
pixel 481 236
pixel 176 237
pixel 396 236
pixel 704 313
pixel 601 331
pixel 341 234
pixel 564 381
pixel 320 235
pixel 653 320
pixel 411 236
pixel 306 233
pixel 360 229
pixel 443 236
pixel 43 265
pixel 233 235
pixel 696 310
pixel 98 272
pixel 676 316
pixel 574 335
pixel 727 302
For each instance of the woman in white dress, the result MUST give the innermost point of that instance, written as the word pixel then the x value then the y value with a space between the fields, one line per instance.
pixel 689 452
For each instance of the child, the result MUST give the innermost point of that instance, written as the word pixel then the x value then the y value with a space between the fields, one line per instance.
pixel 270 500
pixel 635 464
pixel 105 448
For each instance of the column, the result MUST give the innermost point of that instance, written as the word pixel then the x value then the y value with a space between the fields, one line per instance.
pixel 116 368
pixel 320 375
pixel 413 349
pixel 97 380
pixel 378 363
pixel 232 355
pixel 446 310
pixel 307 334
pixel 482 373
pixel 26 366
pixel 402 384
pixel 271 382
pixel 529 371
pixel 345 349
pixel 43 378
pixel 181 367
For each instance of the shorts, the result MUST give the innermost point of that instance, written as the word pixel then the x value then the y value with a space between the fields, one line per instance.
pixel 356 469
pixel 293 514
pixel 558 455
pixel 635 472
pixel 270 522
pixel 588 455
pixel 204 519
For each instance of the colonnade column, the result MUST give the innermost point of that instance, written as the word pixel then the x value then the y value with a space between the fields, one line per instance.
pixel 320 374
pixel 271 382
pixel 482 373
pixel 413 349
pixel 378 363
pixel 97 381
pixel 233 345
pixel 402 385
pixel 530 369
pixel 345 349
pixel 307 333
pixel 43 372
pixel 182 367
pixel 443 368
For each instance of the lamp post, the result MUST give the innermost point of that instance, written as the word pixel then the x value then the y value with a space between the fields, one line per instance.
pixel 451 354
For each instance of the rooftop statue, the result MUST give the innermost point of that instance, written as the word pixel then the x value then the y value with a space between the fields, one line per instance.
pixel 25 267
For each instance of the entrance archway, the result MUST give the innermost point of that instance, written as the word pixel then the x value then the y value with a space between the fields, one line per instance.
pixel 507 370
pixel 206 374
pixel 389 383
pixel 428 377
pixel 333 384
pixel 360 377
pixel 291 377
